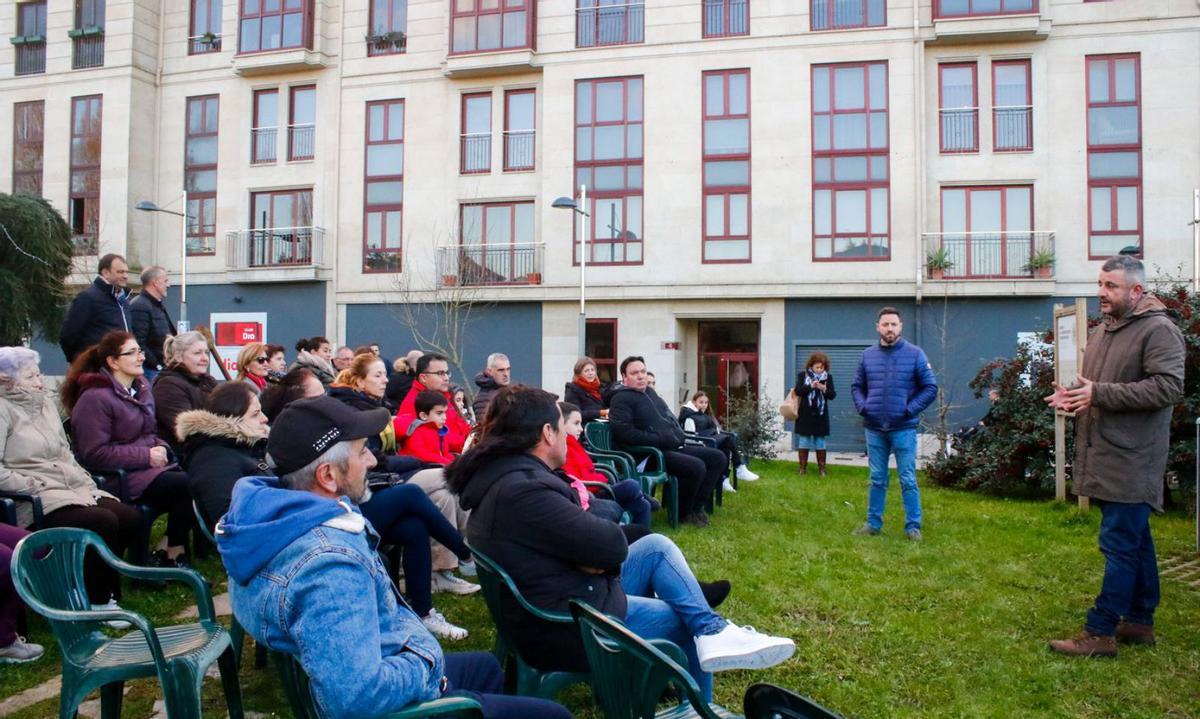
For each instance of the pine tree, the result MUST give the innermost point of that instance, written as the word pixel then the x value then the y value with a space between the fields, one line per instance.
pixel 35 259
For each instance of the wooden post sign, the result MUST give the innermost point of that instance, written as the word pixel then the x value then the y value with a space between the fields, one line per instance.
pixel 1070 339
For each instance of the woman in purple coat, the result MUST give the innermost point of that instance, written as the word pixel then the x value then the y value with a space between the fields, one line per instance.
pixel 112 413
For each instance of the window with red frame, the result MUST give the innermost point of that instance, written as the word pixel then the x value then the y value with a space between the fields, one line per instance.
pixel 1012 106
pixel 84 203
pixel 475 141
pixel 519 129
pixel 29 136
pixel 726 158
pixel 726 18
pixel 850 162
pixel 389 27
pixel 87 47
pixel 497 244
pixel 483 25
pixel 204 33
pixel 988 231
pixel 600 343
pixel 274 25
pixel 383 179
pixel 302 122
pixel 843 14
pixel 29 47
pixel 283 220
pixel 200 173
pixel 608 159
pixel 958 108
pixel 264 131
pixel 976 8
pixel 1114 141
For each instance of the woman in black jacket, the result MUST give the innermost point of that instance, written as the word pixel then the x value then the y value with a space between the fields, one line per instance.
pixel 583 391
pixel 697 416
pixel 814 387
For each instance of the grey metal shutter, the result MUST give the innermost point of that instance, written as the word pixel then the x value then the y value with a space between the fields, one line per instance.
pixel 845 426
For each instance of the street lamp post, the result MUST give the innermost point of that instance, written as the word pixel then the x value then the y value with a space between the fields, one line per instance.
pixel 567 203
pixel 148 206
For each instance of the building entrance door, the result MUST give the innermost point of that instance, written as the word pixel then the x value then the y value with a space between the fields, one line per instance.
pixel 728 364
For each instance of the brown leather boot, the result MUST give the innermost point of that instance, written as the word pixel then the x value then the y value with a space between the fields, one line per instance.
pixel 821 462
pixel 1132 633
pixel 803 455
pixel 1086 644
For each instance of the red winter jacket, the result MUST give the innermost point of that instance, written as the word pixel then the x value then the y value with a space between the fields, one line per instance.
pixel 458 428
pixel 426 442
pixel 579 465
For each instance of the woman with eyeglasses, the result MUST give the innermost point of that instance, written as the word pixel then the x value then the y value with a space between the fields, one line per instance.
pixel 252 366
pixel 184 384
pixel 113 421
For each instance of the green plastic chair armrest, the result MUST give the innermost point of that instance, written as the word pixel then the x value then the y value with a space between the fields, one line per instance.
pixel 654 452
pixel 440 707
pixel 602 486
pixel 200 589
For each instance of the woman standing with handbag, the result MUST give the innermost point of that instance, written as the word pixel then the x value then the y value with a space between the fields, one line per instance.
pixel 814 389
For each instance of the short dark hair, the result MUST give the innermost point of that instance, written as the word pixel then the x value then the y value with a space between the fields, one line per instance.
pixel 230 399
pixel 1133 268
pixel 287 390
pixel 428 400
pixel 817 358
pixel 630 359
pixel 423 363
pixel 889 310
pixel 651 374
pixel 271 350
pixel 567 408
pixel 107 261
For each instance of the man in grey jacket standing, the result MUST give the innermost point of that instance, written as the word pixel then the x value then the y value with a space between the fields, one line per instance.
pixel 151 323
pixel 1132 376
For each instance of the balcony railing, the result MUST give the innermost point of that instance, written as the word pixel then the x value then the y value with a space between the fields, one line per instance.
pixel 87 51
pixel 301 141
pixel 518 149
pixel 262 144
pixel 960 130
pixel 992 255
pixel 838 14
pixel 723 18
pixel 475 265
pixel 476 152
pixel 200 44
pixel 31 58
pixel 943 9
pixel 1014 127
pixel 609 25
pixel 275 247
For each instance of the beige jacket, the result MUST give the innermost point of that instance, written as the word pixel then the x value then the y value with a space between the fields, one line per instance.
pixel 35 457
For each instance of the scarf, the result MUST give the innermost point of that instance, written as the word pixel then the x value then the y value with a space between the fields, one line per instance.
pixel 592 388
pixel 260 382
pixel 816 398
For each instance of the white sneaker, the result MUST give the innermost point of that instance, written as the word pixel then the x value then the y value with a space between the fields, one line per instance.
pixel 467 569
pixel 737 647
pixel 115 623
pixel 21 652
pixel 727 486
pixel 439 627
pixel 745 475
pixel 445 581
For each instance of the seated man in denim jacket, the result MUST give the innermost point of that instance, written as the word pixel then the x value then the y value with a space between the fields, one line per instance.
pixel 306 579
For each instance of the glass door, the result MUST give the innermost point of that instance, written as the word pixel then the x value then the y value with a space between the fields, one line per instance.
pixel 728 364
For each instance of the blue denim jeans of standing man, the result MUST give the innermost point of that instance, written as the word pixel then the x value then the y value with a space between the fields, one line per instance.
pixel 665 601
pixel 478 676
pixel 1130 587
pixel 880 445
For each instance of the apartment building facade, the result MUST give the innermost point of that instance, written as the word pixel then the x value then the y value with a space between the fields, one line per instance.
pixel 760 176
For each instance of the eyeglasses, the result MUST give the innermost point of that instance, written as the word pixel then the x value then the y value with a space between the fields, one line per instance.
pixel 260 360
pixel 133 352
pixel 439 373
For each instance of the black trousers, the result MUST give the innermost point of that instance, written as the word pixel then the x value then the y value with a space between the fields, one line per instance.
pixel 119 525
pixel 699 471
pixel 169 494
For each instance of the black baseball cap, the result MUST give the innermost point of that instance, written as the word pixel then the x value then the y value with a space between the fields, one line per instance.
pixel 307 427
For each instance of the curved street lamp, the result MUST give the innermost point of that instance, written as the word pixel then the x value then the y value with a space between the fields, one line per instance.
pixel 566 203
pixel 148 206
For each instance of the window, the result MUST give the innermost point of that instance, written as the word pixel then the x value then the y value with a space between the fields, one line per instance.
pixel 850 162
pixel 726 158
pixel 476 137
pixel 266 126
pixel 482 25
pixel 205 29
pixel 1012 106
pixel 609 22
pixel 958 107
pixel 28 140
pixel 497 244
pixel 975 8
pixel 389 27
pixel 608 159
pixel 843 14
pixel 383 179
pixel 1114 140
pixel 281 228
pixel 87 37
pixel 600 343
pixel 274 25
pixel 519 129
pixel 988 231
pixel 724 18
pixel 302 122
pixel 84 203
pixel 30 43
pixel 200 173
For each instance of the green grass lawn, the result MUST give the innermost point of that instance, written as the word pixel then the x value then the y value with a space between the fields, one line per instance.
pixel 955 626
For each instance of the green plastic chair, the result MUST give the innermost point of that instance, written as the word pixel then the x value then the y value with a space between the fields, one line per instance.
pixel 531 682
pixel 767 701
pixel 47 569
pixel 295 685
pixel 599 437
pixel 629 673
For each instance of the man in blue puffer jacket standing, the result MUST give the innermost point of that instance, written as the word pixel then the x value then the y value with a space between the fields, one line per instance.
pixel 893 385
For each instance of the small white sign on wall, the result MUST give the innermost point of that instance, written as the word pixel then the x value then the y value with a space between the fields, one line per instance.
pixel 233 331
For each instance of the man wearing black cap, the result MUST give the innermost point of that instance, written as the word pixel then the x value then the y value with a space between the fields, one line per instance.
pixel 308 582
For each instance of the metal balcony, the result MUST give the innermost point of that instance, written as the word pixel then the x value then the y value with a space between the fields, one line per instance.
pixel 31 57
pixel 992 255
pixel 490 265
pixel 609 25
pixel 275 253
pixel 87 51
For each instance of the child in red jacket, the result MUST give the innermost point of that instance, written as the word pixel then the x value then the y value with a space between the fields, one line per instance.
pixel 425 437
pixel 580 467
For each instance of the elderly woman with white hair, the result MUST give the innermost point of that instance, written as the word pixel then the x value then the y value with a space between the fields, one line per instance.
pixel 36 458
pixel 184 384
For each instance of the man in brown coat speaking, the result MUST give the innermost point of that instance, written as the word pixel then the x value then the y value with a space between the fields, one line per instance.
pixel 1131 377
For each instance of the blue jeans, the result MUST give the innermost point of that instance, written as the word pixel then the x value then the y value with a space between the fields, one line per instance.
pixel 656 568
pixel 1130 587
pixel 880 445
pixel 478 676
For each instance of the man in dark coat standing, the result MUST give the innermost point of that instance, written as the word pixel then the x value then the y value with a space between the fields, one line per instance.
pixel 152 324
pixel 100 308
pixel 1131 378
pixel 497 374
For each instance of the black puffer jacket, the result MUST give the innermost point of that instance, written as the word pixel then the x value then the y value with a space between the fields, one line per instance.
pixel 706 425
pixel 488 387
pixel 98 310
pixel 588 405
pixel 218 452
pixel 528 519
pixel 641 418
pixel 152 326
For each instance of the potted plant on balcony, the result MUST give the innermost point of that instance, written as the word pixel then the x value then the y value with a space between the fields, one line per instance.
pixel 210 39
pixel 449 280
pixel 533 278
pixel 937 262
pixel 27 39
pixel 1041 263
pixel 85 31
pixel 384 40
